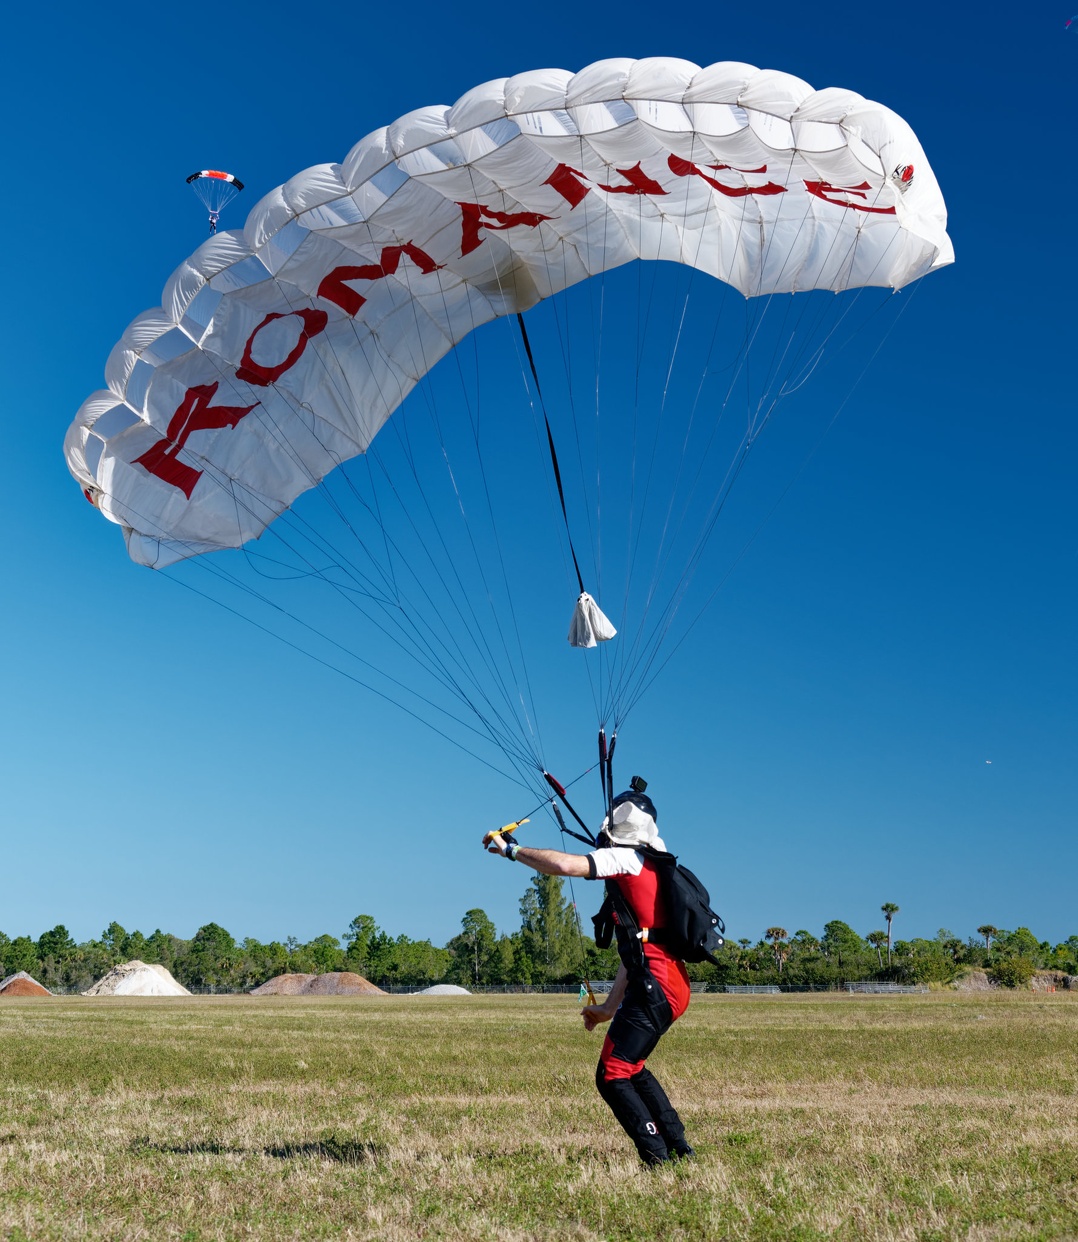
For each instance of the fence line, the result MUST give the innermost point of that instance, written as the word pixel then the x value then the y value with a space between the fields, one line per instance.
pixel 888 989
pixel 495 989
pixel 599 986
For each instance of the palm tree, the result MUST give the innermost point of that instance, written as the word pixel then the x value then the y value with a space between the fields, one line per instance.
pixel 889 911
pixel 877 940
pixel 988 931
pixel 777 935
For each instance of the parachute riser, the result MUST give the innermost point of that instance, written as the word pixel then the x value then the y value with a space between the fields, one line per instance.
pixel 606 772
pixel 559 789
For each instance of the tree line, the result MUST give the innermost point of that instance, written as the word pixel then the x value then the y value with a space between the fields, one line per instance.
pixel 548 947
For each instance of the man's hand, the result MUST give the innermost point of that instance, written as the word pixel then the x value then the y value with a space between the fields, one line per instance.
pixel 595 1015
pixel 495 843
pixel 549 862
pixel 498 841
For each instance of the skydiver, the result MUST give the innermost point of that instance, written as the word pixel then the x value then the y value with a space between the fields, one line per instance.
pixel 651 990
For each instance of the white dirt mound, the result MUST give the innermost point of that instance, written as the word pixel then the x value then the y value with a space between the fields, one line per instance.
pixel 137 979
pixel 443 989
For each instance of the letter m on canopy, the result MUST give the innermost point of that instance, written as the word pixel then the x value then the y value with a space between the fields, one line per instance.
pixel 336 286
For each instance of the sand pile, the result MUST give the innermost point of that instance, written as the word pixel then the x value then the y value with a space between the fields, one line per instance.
pixel 137 979
pixel 443 989
pixel 22 984
pixel 337 983
pixel 342 983
pixel 283 985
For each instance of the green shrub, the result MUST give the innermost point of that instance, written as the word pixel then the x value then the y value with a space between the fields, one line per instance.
pixel 1012 972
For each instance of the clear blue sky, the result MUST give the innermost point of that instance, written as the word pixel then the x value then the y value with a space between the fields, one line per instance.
pixel 819 746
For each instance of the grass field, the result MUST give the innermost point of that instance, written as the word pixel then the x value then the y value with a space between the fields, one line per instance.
pixel 870 1117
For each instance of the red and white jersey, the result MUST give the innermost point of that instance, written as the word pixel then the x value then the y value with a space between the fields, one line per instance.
pixel 638 881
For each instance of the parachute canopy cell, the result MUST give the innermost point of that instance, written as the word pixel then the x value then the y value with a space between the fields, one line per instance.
pixel 281 349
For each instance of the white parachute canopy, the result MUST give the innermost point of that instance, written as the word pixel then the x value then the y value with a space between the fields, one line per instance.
pixel 281 350
pixel 278 352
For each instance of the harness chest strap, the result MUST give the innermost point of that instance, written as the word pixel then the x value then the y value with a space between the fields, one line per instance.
pixel 650 935
pixel 623 916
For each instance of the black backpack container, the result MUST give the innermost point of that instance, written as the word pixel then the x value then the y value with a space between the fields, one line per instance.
pixel 693 931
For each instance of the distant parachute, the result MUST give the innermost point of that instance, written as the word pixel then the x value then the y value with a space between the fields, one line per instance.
pixel 281 350
pixel 216 190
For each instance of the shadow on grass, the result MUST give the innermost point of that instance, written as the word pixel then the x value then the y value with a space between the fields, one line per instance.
pixel 342 1151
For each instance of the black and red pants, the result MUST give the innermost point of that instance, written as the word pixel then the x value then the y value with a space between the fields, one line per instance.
pixel 634 1094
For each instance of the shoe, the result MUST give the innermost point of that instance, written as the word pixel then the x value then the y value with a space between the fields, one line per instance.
pixel 682 1151
pixel 653 1160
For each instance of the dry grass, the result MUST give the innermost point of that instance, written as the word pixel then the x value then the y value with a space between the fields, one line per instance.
pixel 932 1117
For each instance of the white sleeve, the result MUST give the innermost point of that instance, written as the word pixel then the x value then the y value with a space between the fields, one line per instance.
pixel 616 860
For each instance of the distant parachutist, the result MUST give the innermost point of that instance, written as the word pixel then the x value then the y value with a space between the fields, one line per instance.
pixel 1071 23
pixel 216 190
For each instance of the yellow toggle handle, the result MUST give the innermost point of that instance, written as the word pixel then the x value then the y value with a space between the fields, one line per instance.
pixel 508 828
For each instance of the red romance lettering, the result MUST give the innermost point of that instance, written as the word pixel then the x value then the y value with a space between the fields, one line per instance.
pixel 821 189
pixel 334 289
pixel 194 413
pixel 569 182
pixel 683 168
pixel 639 183
pixel 476 217
pixel 252 372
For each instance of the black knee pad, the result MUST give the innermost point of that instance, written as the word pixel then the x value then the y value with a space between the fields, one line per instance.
pixel 650 1090
pixel 634 1116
